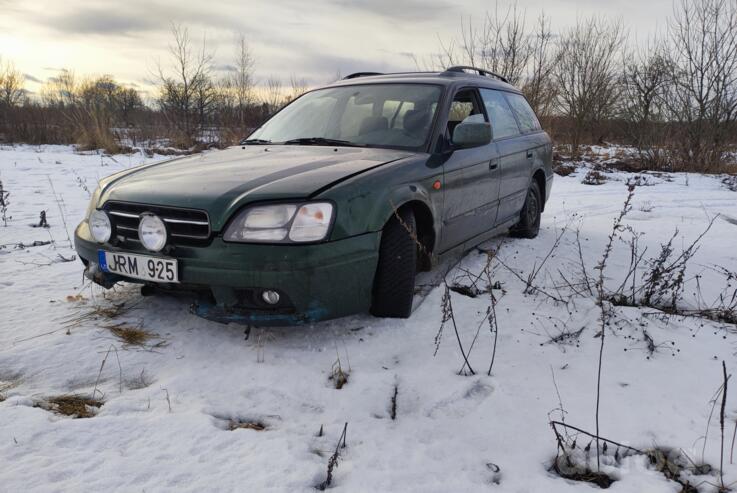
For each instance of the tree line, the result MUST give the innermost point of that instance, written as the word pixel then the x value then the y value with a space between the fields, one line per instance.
pixel 672 98
pixel 192 106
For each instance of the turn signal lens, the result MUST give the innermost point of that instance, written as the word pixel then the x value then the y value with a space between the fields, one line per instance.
pixel 311 222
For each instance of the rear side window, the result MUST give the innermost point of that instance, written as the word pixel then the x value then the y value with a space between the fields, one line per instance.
pixel 525 116
pixel 503 123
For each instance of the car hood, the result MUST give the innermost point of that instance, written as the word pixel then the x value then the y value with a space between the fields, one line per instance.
pixel 222 181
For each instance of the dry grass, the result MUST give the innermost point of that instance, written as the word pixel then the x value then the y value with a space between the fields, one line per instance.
pixel 338 376
pixel 130 335
pixel 246 425
pixel 76 406
pixel 8 382
pixel 97 312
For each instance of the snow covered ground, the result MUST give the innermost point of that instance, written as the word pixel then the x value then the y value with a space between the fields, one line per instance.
pixel 170 403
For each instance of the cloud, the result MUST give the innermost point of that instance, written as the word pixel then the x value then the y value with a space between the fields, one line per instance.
pixel 31 78
pixel 95 20
pixel 138 17
pixel 224 67
pixel 416 10
pixel 318 68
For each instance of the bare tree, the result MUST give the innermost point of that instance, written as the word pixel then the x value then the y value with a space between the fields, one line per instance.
pixel 586 74
pixel 128 101
pixel 242 79
pixel 298 86
pixel 273 96
pixel 703 95
pixel 499 45
pixel 539 87
pixel 61 90
pixel 12 92
pixel 645 81
pixel 187 92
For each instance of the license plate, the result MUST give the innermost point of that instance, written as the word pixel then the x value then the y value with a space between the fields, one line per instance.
pixel 139 266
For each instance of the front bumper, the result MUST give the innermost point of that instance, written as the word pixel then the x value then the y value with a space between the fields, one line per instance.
pixel 318 281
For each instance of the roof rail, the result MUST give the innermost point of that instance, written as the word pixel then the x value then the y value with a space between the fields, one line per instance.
pixel 360 74
pixel 480 71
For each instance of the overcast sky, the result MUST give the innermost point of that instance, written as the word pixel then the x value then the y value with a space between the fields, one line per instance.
pixel 309 38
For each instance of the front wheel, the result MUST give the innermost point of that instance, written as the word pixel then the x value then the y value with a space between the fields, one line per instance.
pixel 394 283
pixel 529 223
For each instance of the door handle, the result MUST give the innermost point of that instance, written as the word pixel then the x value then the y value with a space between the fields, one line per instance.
pixel 493 165
pixel 529 154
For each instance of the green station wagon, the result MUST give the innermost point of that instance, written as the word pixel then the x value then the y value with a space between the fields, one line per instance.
pixel 333 205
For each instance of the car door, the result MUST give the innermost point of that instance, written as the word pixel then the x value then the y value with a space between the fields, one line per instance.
pixel 470 178
pixel 515 159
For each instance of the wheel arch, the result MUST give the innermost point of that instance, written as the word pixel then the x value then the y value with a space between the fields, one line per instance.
pixel 539 177
pixel 417 200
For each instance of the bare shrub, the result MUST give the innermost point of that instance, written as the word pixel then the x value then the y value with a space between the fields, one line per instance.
pixel 4 203
pixel 586 75
pixel 730 181
pixel 564 169
pixel 594 177
pixel 702 100
pixel 12 92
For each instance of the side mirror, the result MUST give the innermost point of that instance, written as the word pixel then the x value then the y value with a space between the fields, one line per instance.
pixel 471 134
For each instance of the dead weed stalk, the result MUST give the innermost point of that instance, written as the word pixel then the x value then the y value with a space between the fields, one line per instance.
pixel 333 460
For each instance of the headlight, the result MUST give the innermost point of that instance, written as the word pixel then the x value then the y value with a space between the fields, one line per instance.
pixel 93 202
pixel 100 226
pixel 281 223
pixel 311 222
pixel 152 232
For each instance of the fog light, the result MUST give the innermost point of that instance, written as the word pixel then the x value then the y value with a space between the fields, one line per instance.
pixel 270 297
pixel 152 232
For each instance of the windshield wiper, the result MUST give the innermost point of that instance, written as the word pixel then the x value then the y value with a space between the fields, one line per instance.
pixel 319 141
pixel 249 142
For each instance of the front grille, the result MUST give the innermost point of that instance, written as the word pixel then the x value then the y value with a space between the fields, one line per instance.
pixel 190 227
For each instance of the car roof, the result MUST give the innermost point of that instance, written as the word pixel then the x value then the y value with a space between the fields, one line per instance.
pixel 450 77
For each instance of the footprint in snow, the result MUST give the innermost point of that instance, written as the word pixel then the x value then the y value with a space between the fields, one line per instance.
pixel 729 219
pixel 461 402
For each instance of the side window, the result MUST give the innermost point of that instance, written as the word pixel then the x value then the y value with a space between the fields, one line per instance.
pixel 464 105
pixel 502 119
pixel 525 116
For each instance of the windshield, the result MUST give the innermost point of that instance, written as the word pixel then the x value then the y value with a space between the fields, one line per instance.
pixel 375 115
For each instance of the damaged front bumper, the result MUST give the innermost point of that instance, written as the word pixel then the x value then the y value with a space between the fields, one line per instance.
pixel 316 282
